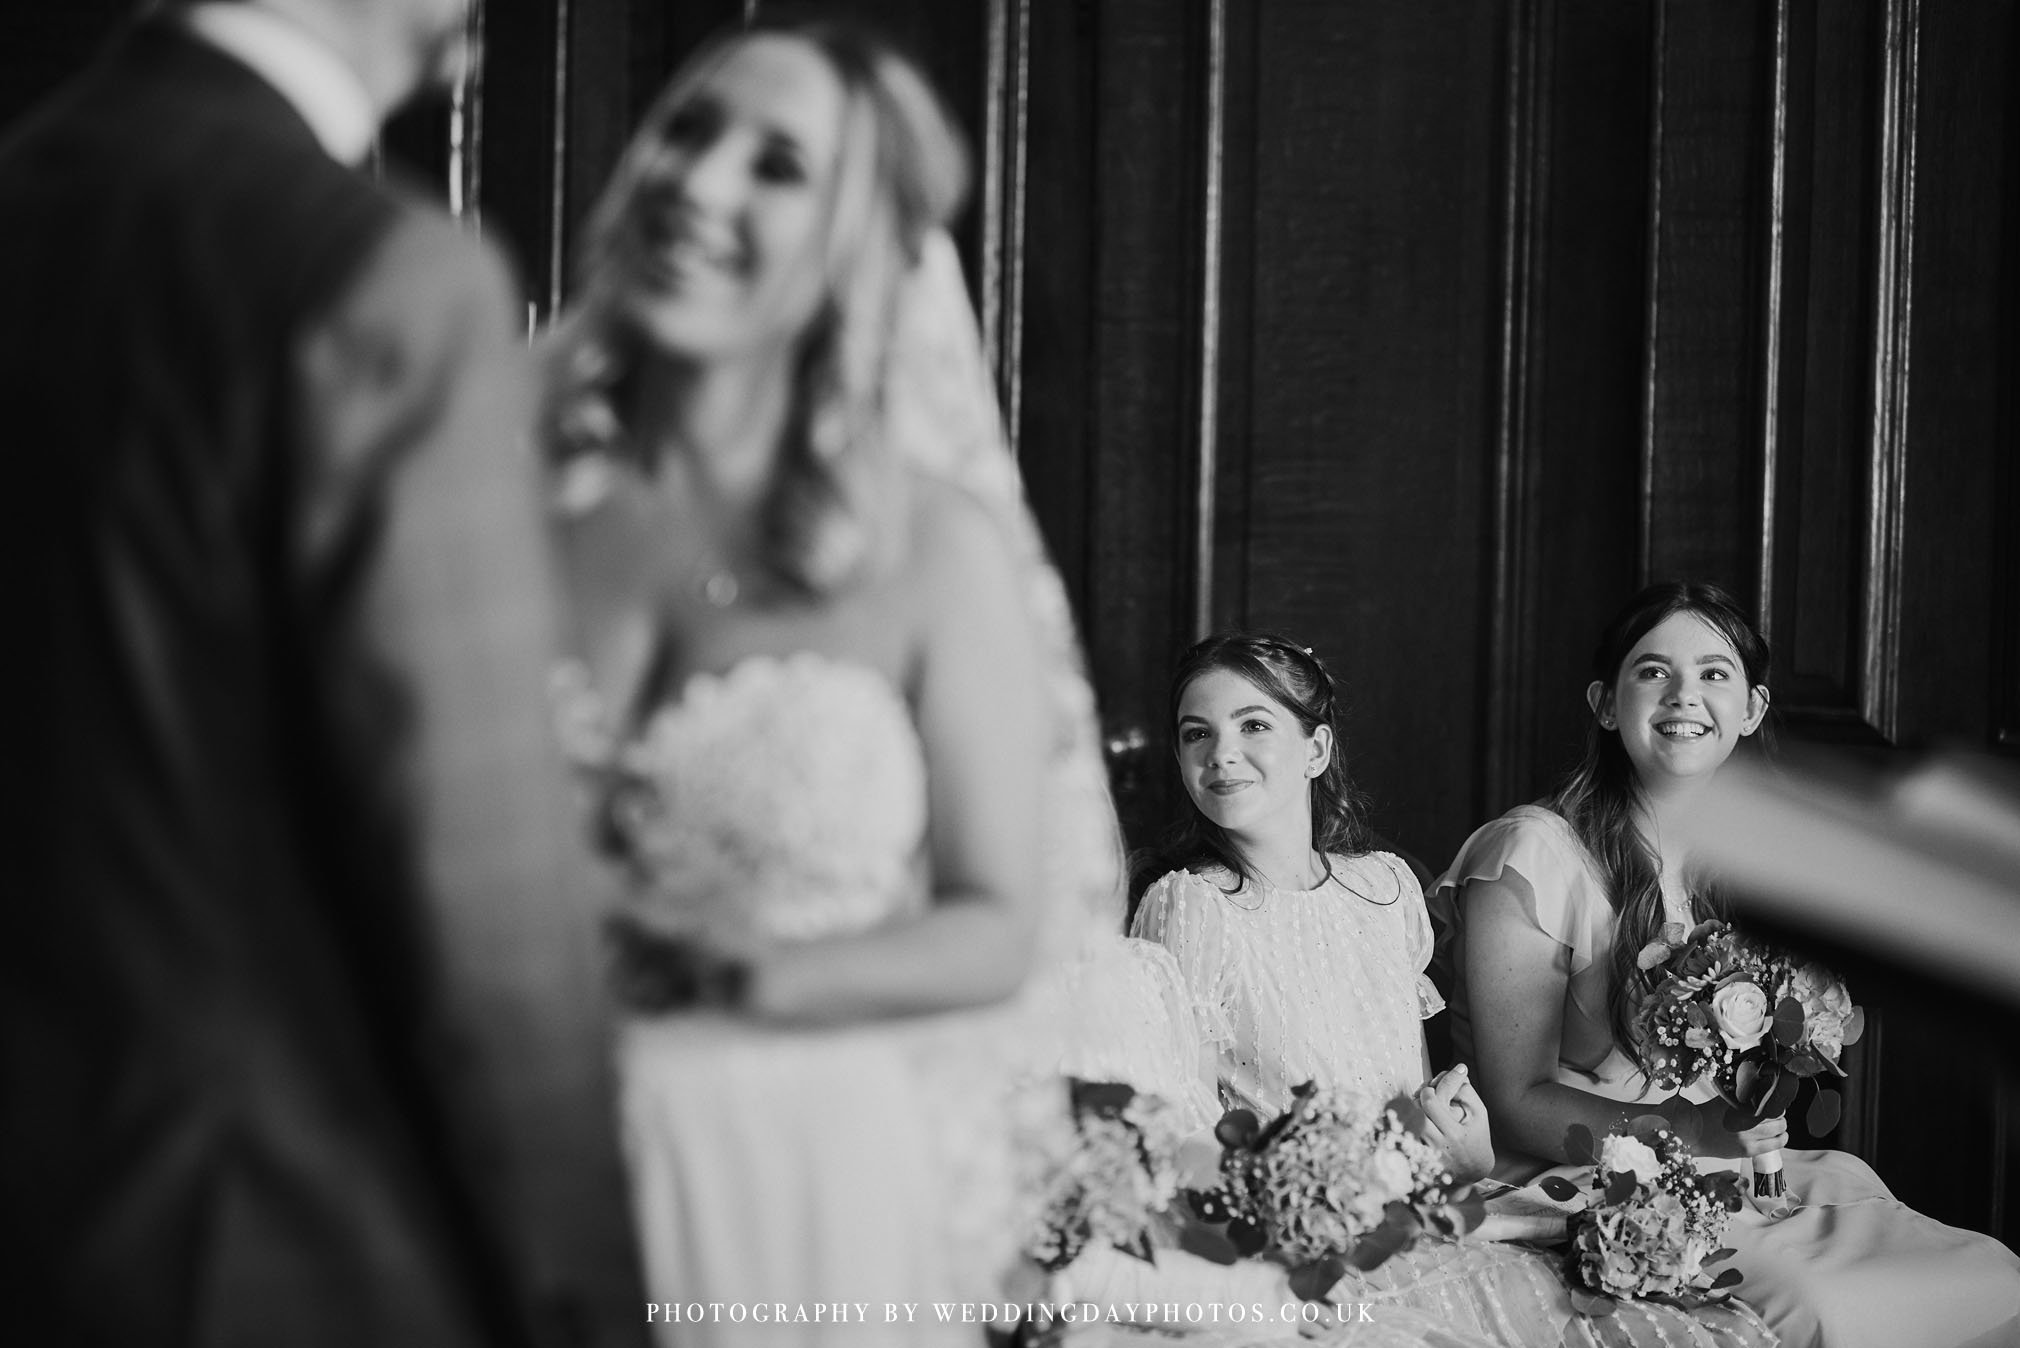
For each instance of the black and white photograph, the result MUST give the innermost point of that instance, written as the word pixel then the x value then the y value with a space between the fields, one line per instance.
pixel 1012 673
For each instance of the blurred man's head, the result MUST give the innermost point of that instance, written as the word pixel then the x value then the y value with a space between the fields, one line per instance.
pixel 397 47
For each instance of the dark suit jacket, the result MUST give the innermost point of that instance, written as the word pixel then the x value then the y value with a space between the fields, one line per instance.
pixel 302 1035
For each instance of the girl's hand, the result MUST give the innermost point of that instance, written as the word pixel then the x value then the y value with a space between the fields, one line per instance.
pixel 1715 1139
pixel 1455 1119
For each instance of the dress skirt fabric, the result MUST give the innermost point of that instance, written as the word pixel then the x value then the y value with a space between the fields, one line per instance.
pixel 798 1177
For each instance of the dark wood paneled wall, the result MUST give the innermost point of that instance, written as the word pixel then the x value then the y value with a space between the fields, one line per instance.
pixel 1510 307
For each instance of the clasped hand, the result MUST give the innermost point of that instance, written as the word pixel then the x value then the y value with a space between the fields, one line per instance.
pixel 659 971
pixel 1448 1113
pixel 1712 1124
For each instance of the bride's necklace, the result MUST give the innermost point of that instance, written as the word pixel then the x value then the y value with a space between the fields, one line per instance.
pixel 718 576
pixel 718 588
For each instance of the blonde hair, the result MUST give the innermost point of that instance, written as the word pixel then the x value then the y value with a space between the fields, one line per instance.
pixel 901 172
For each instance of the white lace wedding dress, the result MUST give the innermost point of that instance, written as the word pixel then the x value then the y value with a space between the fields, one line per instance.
pixel 777 1171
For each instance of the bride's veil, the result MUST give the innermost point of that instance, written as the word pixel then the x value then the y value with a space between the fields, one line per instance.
pixel 1098 1005
pixel 941 417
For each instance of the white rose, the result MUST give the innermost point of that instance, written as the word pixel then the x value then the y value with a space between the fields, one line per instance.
pixel 1740 1010
pixel 1390 1171
pixel 1620 1155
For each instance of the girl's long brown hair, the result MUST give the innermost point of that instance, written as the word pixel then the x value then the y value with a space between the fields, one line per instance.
pixel 1601 798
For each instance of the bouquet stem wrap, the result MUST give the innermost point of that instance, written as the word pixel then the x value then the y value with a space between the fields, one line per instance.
pixel 1768 1181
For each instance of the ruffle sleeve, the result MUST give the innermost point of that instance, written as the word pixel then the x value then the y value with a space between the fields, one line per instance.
pixel 1182 913
pixel 1567 901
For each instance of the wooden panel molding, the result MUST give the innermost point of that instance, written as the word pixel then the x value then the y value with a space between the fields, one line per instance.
pixel 1887 480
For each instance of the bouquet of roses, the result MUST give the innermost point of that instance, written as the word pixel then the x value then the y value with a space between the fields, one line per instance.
pixel 1336 1181
pixel 1654 1222
pixel 1753 1022
pixel 1100 1165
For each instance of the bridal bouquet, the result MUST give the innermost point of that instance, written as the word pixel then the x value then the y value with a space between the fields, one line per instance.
pixel 1101 1165
pixel 1753 1022
pixel 1336 1181
pixel 1654 1222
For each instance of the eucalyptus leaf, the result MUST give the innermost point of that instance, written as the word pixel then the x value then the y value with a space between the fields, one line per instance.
pixel 1208 1244
pixel 1725 1187
pixel 1578 1145
pixel 1781 1094
pixel 1395 1233
pixel 1311 1282
pixel 1620 1186
pixel 1237 1128
pixel 1689 1127
pixel 1246 1237
pixel 1644 1127
pixel 1825 1111
pixel 1209 1205
pixel 1745 1081
pixel 1726 1252
pixel 1107 1098
pixel 1403 1217
pixel 1559 1188
pixel 1789 1022
pixel 1731 1277
pixel 1855 1025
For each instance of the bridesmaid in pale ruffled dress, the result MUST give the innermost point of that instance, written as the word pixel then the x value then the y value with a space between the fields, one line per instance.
pixel 1553 902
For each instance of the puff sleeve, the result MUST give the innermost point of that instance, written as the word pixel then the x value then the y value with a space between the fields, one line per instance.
pixel 1419 939
pixel 1182 913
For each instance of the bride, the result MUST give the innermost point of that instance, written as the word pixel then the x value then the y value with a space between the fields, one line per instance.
pixel 822 695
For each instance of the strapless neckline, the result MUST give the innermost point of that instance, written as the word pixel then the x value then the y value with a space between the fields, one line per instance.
pixel 784 795
pixel 708 687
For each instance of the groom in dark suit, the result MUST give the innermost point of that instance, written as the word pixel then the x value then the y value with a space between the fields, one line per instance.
pixel 300 1024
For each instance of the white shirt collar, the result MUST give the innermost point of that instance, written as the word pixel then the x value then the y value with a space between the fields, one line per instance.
pixel 326 92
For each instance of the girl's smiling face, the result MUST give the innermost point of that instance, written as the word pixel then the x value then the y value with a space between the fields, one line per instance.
pixel 1245 758
pixel 1681 701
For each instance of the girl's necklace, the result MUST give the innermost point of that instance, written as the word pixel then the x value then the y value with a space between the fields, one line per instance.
pixel 1323 865
pixel 1315 866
